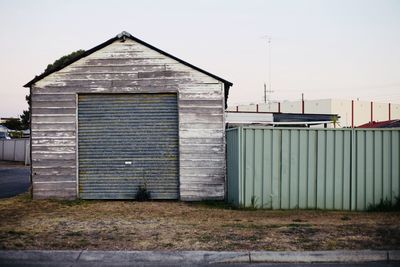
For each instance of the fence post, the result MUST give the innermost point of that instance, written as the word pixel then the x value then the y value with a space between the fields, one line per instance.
pixel 26 151
pixel 353 178
pixel 2 150
pixel 241 169
pixel 352 113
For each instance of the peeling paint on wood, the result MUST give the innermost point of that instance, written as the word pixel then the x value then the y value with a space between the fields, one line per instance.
pixel 129 67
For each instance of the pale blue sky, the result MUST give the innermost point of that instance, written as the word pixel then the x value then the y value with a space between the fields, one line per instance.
pixel 325 49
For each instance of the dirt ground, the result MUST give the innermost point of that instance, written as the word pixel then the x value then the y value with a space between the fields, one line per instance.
pixel 129 225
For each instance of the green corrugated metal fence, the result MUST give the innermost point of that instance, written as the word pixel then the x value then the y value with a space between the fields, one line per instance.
pixel 376 169
pixel 286 168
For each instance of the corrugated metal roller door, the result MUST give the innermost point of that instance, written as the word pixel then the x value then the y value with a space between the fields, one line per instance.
pixel 127 140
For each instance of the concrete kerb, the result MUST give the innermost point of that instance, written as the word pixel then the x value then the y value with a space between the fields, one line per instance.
pixel 320 256
pixel 40 255
pixel 394 255
pixel 165 256
pixel 200 257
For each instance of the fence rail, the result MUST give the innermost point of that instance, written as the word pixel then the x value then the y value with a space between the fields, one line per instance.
pixel 289 168
pixel 15 150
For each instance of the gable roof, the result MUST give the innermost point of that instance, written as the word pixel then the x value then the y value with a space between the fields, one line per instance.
pixel 122 36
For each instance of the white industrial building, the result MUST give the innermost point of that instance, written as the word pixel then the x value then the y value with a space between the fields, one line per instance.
pixel 351 112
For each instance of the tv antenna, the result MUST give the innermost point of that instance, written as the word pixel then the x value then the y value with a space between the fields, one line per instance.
pixel 268 89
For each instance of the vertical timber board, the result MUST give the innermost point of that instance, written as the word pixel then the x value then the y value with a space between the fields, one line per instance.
pixel 128 67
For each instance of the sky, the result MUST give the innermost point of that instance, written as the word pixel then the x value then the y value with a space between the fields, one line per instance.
pixel 344 49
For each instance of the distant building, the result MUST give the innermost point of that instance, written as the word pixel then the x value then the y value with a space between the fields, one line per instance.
pixel 276 119
pixel 350 112
pixel 3 120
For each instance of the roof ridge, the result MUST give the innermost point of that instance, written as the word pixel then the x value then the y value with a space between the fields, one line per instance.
pixel 124 33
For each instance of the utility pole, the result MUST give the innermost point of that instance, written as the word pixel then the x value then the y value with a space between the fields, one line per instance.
pixel 268 91
pixel 265 93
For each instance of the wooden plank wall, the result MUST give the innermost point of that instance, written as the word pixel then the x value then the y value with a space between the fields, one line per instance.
pixel 128 67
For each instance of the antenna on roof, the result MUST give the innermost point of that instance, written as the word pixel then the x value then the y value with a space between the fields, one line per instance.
pixel 268 92
pixel 265 93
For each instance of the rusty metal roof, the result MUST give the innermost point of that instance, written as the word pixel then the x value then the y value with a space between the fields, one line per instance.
pixel 381 124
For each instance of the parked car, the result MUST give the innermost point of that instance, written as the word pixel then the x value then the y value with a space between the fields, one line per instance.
pixel 4 135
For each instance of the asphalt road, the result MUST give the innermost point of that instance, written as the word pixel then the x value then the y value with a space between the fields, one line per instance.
pixel 14 179
pixel 99 264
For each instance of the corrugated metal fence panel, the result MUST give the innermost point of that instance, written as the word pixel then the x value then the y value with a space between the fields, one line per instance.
pixel 293 168
pixel 127 140
pixel 314 168
pixel 15 150
pixel 376 166
pixel 332 156
pixel 233 169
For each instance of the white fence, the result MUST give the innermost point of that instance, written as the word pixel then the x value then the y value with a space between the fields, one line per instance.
pixel 15 150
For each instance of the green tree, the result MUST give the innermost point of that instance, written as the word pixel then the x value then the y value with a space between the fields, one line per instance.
pixel 64 59
pixel 26 115
pixel 13 124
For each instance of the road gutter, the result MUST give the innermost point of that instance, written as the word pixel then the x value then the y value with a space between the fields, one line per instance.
pixel 200 257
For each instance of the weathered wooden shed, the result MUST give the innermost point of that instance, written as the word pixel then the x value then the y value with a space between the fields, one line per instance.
pixel 126 114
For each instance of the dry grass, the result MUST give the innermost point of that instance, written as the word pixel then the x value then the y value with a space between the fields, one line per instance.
pixel 129 225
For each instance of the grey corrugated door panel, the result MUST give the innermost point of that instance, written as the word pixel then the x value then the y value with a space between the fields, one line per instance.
pixel 127 140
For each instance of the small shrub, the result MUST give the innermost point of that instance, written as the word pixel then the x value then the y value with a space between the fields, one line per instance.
pixel 142 194
pixel 385 205
pixel 253 205
pixel 254 201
